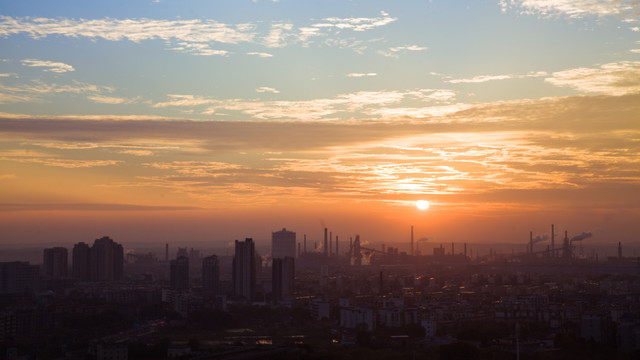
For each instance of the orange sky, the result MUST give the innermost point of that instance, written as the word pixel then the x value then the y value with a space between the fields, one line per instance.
pixel 161 122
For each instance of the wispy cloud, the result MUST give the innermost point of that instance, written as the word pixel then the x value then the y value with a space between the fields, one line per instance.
pixel 408 48
pixel 362 74
pixel 574 8
pixel 358 103
pixel 485 78
pixel 101 99
pixel 260 54
pixel 191 36
pixel 612 79
pixel 356 24
pixel 56 67
pixel 264 89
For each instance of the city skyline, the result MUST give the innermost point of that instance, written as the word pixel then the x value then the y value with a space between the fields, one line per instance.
pixel 165 121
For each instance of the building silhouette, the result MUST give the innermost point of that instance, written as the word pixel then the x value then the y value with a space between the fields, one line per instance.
pixel 179 273
pixel 18 277
pixel 211 275
pixel 244 270
pixel 55 263
pixel 283 243
pixel 283 277
pixel 80 261
pixel 104 261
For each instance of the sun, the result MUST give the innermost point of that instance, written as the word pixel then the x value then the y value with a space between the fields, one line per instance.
pixel 422 204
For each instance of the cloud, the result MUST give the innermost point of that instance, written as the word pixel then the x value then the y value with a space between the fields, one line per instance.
pixel 56 67
pixel 137 152
pixel 356 24
pixel 574 8
pixel 90 207
pixel 358 103
pixel 408 48
pixel 190 36
pixel 40 87
pixel 260 54
pixel 101 99
pixel 485 78
pixel 612 79
pixel 264 89
pixel 64 163
pixel 7 176
pixel 199 49
pixel 362 74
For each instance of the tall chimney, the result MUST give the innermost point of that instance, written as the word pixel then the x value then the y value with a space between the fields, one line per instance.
pixel 412 241
pixel 330 243
pixel 619 250
pixel 337 252
pixel 465 250
pixel 326 244
pixel 553 243
pixel 531 241
pixel 305 243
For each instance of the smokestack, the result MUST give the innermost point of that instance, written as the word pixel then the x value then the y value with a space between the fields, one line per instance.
pixel 531 241
pixel 553 243
pixel 330 243
pixel 619 250
pixel 465 250
pixel 337 253
pixel 326 245
pixel 412 240
pixel 299 250
pixel 166 252
pixel 305 243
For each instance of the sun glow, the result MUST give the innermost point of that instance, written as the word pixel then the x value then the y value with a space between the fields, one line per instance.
pixel 422 204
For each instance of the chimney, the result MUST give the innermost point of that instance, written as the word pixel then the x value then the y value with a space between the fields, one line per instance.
pixel 305 243
pixel 330 243
pixel 553 243
pixel 337 253
pixel 412 240
pixel 619 250
pixel 531 241
pixel 326 245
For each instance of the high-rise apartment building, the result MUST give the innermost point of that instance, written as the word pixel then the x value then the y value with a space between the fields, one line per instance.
pixel 104 261
pixel 18 277
pixel 283 243
pixel 211 275
pixel 179 273
pixel 80 261
pixel 283 277
pixel 244 270
pixel 55 263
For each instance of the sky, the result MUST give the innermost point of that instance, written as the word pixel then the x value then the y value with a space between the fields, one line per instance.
pixel 178 121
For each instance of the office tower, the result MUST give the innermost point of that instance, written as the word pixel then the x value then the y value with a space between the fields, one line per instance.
pixel 18 277
pixel 244 270
pixel 55 263
pixel 283 277
pixel 106 260
pixel 179 273
pixel 211 275
pixel 80 258
pixel 283 243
